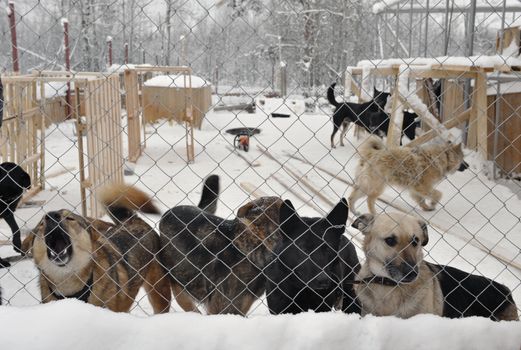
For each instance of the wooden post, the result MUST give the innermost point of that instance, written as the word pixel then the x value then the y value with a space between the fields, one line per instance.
pixel 126 53
pixel 12 25
pixel 65 24
pixel 395 131
pixel 109 50
pixel 479 104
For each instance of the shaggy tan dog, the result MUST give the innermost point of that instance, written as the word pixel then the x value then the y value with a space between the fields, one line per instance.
pixel 416 169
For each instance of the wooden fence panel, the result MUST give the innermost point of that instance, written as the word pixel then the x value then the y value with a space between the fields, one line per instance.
pixel 135 147
pixel 105 160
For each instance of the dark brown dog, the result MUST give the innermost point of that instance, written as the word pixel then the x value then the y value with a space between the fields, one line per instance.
pixel 217 262
pixel 101 263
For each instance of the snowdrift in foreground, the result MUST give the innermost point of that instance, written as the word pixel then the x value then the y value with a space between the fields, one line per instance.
pixel 71 324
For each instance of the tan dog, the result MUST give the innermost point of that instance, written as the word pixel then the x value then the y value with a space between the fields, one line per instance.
pixel 396 281
pixel 97 262
pixel 416 169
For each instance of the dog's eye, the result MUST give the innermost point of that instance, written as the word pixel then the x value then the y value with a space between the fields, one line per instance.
pixel 415 241
pixel 391 241
pixel 70 218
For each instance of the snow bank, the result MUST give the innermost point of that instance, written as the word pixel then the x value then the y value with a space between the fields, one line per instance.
pixel 71 324
pixel 176 81
pixel 289 105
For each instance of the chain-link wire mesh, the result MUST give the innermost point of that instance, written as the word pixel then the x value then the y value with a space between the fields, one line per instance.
pixel 218 117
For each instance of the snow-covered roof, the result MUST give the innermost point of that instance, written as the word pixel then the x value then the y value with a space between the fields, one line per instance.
pixel 121 67
pixel 175 81
pixel 459 5
pixel 480 61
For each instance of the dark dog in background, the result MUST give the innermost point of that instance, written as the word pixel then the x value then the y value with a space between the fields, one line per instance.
pixel 312 259
pixel 370 115
pixel 358 113
pixel 379 124
pixel 13 182
pixel 217 262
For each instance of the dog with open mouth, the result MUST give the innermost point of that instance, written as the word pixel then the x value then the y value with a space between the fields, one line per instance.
pixel 102 263
pixel 396 281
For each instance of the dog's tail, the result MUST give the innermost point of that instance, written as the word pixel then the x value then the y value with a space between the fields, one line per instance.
pixel 370 146
pixel 210 194
pixel 122 201
pixel 331 95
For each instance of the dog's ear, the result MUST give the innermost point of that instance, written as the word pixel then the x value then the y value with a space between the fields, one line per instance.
pixel 425 233
pixel 241 213
pixel 364 223
pixel 288 216
pixel 338 216
pixel 27 244
pixel 94 234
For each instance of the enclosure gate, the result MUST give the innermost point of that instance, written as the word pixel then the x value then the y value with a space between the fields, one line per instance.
pixel 22 136
pixel 23 132
pixel 103 129
pixel 134 104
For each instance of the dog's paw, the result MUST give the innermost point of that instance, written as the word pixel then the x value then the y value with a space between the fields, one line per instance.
pixel 4 263
pixel 426 207
pixel 17 245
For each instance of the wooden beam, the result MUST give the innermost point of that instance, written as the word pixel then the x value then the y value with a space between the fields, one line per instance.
pixel 395 131
pixel 481 117
pixel 448 124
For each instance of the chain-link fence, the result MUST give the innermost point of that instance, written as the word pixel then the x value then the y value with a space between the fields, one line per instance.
pixel 218 115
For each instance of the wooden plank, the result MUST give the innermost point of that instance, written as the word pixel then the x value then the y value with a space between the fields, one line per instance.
pixel 395 131
pixel 81 152
pixel 480 100
pixel 462 117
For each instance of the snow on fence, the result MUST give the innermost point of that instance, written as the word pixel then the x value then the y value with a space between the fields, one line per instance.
pixel 266 254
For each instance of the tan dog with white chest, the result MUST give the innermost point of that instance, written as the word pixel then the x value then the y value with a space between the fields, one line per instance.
pixel 395 280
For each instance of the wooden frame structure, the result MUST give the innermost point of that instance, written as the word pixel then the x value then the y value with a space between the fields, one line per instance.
pixel 476 114
pixel 101 125
pixel 136 121
pixel 22 136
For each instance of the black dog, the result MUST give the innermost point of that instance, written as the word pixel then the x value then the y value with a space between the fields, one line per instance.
pixel 357 113
pixel 370 115
pixel 13 182
pixel 313 258
pixel 466 295
pixel 379 124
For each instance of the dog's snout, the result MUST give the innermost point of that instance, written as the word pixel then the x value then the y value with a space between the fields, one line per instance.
pixel 409 271
pixel 53 217
pixel 463 166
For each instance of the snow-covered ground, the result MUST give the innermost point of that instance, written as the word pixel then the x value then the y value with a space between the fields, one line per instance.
pixel 477 228
pixel 78 326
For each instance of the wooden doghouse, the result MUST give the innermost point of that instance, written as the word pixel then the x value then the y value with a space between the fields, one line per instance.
pixel 164 97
